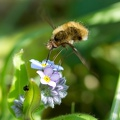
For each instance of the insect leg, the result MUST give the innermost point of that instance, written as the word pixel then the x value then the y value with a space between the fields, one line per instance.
pixel 82 59
pixel 78 54
pixel 48 56
pixel 64 56
pixel 57 54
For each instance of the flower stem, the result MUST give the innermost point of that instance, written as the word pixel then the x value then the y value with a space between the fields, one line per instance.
pixel 73 107
pixel 115 110
pixel 28 116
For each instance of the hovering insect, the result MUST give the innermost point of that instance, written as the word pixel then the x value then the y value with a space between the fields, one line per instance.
pixel 67 34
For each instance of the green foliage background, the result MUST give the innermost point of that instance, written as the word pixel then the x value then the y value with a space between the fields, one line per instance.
pixel 22 26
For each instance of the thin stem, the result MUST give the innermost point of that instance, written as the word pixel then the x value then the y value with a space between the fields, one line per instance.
pixel 115 110
pixel 73 107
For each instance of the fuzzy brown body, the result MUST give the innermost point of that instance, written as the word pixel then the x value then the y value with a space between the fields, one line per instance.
pixel 67 33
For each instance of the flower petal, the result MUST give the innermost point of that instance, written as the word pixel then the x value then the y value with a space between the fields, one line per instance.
pixel 48 62
pixel 48 71
pixel 60 87
pixel 65 87
pixel 54 93
pixel 53 84
pixel 62 94
pixel 21 98
pixel 18 106
pixel 18 103
pixel 35 64
pixel 62 81
pixel 57 100
pixel 50 102
pixel 57 68
pixel 55 77
pixel 41 74
pixel 43 81
pixel 43 98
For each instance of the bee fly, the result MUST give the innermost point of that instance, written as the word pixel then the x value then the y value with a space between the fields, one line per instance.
pixel 67 34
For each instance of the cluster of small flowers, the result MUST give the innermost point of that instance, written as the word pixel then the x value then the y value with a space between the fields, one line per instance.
pixel 52 84
pixel 18 106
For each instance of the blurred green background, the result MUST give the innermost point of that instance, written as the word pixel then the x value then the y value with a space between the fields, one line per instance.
pixel 23 25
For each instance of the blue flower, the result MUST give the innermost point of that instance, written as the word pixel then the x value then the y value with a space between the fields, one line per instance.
pixel 52 85
pixel 18 106
pixel 35 64
pixel 50 96
pixel 49 77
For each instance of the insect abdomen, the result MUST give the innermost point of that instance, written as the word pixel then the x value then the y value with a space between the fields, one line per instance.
pixel 73 33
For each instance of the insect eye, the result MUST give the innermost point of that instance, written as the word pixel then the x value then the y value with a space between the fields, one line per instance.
pixel 56 38
pixel 79 38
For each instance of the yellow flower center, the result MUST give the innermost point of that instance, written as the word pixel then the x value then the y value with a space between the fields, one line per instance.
pixel 44 64
pixel 47 79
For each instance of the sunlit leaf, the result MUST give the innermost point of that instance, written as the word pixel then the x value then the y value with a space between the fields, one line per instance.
pixel 20 79
pixel 75 117
pixel 32 100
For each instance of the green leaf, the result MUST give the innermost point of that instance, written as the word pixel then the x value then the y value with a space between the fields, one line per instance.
pixel 20 79
pixel 115 109
pixel 32 100
pixel 76 116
